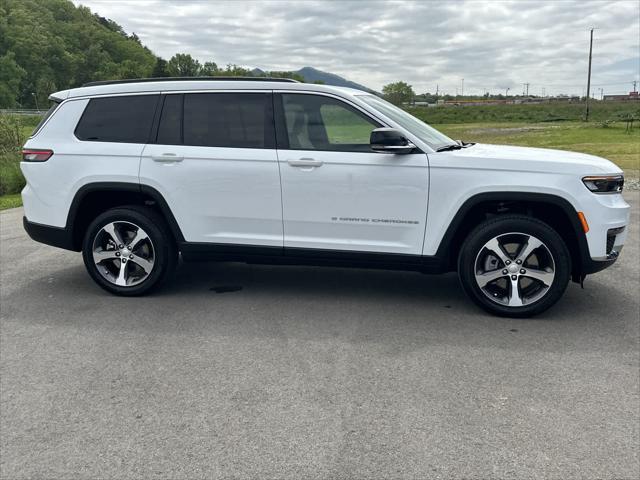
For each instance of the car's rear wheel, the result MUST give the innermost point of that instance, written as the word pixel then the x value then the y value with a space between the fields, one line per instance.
pixel 129 250
pixel 514 266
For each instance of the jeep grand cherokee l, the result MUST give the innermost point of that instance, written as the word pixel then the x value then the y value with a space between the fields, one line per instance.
pixel 135 173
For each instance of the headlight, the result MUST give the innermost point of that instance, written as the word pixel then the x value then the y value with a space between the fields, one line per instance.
pixel 604 183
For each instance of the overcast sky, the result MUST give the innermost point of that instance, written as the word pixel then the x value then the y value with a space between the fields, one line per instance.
pixel 491 44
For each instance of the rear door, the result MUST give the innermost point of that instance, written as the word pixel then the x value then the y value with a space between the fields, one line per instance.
pixel 215 163
pixel 337 194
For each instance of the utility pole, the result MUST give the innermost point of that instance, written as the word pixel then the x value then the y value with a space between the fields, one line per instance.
pixel 462 89
pixel 525 86
pixel 586 117
pixel 635 82
pixel 601 93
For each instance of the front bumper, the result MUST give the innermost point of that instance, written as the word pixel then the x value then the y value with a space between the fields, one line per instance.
pixel 608 218
pixel 590 266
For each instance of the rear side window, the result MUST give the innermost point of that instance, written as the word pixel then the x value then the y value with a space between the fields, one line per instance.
pixel 236 120
pixel 170 127
pixel 46 117
pixel 124 119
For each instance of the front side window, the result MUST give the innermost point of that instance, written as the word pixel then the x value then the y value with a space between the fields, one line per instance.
pixel 234 120
pixel 316 122
pixel 124 119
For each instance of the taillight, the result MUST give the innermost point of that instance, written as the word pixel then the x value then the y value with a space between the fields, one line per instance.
pixel 36 155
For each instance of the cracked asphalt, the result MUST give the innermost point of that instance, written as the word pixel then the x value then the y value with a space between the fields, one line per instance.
pixel 248 371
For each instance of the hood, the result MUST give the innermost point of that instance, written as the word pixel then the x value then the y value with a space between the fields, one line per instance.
pixel 505 157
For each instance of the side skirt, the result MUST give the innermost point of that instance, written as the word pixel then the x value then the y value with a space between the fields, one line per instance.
pixel 308 256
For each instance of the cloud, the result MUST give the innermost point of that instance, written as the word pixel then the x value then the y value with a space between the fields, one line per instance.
pixel 490 44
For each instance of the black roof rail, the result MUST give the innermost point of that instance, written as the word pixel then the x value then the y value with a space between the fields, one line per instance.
pixel 186 79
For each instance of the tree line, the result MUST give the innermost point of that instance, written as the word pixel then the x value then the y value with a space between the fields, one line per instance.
pixel 51 45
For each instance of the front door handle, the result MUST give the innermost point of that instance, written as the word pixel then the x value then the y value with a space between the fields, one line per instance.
pixel 167 157
pixel 305 162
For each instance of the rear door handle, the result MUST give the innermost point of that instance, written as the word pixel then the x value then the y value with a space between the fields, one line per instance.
pixel 167 157
pixel 305 162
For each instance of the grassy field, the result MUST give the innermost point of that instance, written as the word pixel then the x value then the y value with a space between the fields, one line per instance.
pixel 545 112
pixel 546 126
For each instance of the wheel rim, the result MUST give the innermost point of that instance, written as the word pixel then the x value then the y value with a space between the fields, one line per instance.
pixel 514 269
pixel 123 254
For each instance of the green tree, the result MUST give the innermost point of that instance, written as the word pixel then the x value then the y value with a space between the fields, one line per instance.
pixel 233 70
pixel 57 45
pixel 398 93
pixel 209 69
pixel 11 75
pixel 160 68
pixel 183 65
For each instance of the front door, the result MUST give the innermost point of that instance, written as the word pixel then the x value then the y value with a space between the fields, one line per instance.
pixel 336 193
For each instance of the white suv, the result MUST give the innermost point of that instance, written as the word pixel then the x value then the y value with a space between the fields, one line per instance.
pixel 132 173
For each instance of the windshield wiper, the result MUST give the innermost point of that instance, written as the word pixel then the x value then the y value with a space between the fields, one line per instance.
pixel 455 146
pixel 447 148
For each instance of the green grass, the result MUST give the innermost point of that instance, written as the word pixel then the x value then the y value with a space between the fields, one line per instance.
pixel 14 130
pixel 545 112
pixel 612 142
pixel 10 201
pixel 11 179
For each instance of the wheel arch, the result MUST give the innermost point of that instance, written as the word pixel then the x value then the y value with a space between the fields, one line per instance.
pixel 554 210
pixel 94 198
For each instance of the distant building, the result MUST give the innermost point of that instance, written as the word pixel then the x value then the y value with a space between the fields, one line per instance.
pixel 630 96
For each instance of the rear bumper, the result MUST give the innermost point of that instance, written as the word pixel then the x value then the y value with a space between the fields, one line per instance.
pixel 54 236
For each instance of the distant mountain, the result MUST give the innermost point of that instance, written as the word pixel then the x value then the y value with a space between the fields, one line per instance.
pixel 311 75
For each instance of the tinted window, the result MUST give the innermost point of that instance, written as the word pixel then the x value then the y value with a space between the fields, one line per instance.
pixel 315 122
pixel 170 128
pixel 240 120
pixel 118 119
pixel 45 118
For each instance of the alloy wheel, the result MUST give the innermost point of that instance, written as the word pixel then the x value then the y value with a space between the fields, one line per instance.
pixel 514 269
pixel 123 253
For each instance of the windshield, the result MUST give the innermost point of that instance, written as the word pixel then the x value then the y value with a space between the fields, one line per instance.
pixel 424 132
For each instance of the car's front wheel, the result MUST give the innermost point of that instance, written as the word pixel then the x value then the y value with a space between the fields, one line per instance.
pixel 129 250
pixel 514 266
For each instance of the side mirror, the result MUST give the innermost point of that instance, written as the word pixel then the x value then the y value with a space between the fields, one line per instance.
pixel 390 140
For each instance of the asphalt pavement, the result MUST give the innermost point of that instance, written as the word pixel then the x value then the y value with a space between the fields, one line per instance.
pixel 251 371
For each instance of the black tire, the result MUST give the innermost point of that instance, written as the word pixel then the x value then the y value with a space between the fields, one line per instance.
pixel 493 228
pixel 164 248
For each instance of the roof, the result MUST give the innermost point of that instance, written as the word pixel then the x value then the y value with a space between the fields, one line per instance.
pixel 182 85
